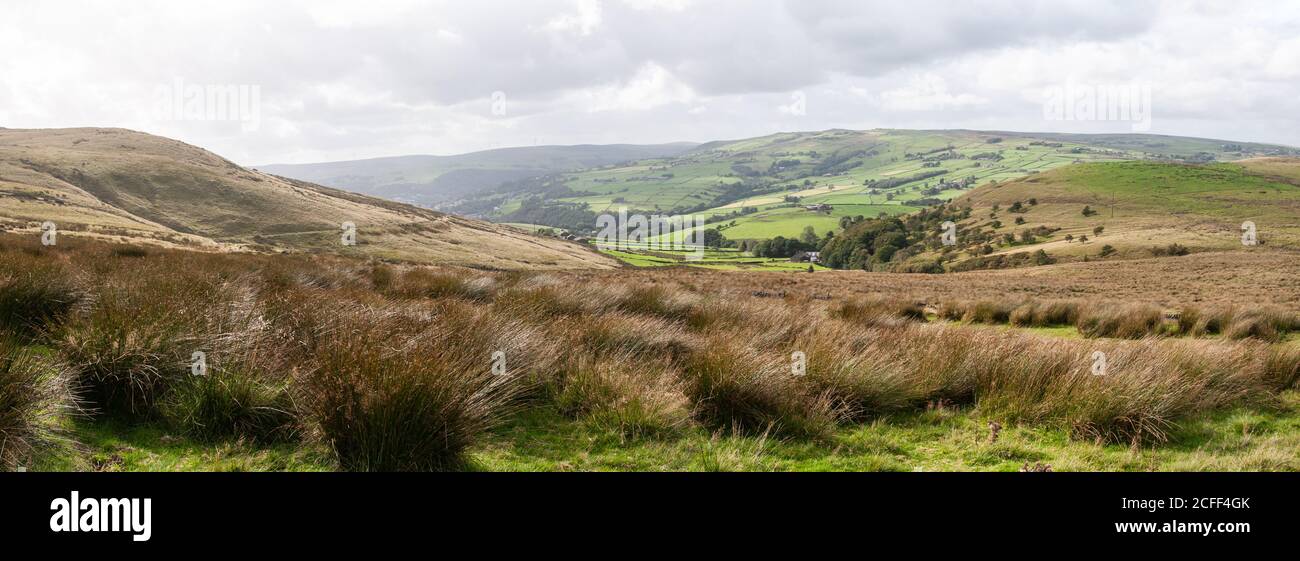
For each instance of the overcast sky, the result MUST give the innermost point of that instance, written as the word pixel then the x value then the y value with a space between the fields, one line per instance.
pixel 354 79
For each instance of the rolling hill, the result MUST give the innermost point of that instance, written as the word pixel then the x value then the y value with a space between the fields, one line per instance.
pixel 762 187
pixel 1145 207
pixel 129 185
pixel 430 180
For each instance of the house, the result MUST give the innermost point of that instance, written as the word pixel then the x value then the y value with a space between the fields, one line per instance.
pixel 823 207
pixel 806 257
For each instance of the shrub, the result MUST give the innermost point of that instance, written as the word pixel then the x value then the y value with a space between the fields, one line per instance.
pixel 33 395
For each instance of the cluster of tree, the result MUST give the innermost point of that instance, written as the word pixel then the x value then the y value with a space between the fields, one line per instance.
pixel 574 217
pixel 781 247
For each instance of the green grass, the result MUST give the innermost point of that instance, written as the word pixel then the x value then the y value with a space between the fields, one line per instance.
pixel 948 440
pixel 112 446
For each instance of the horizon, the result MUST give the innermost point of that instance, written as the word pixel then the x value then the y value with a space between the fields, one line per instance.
pixel 729 140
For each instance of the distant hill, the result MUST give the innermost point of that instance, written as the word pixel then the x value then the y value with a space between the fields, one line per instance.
pixel 430 180
pixel 780 184
pixel 129 185
pixel 1145 207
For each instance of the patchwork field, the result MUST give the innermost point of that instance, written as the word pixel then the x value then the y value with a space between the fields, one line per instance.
pixel 763 184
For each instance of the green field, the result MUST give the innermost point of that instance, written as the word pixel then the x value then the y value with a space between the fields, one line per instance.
pixel 834 168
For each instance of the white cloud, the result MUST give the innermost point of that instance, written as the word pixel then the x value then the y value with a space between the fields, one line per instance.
pixel 361 78
pixel 651 87
pixel 927 92
pixel 584 20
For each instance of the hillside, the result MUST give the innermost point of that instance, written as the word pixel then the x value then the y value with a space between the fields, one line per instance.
pixel 429 180
pixel 1143 208
pixel 124 184
pixel 760 188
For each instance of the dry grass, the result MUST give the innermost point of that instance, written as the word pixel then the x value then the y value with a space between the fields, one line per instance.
pixel 393 368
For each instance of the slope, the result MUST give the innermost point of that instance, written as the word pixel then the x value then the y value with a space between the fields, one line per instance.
pixel 131 185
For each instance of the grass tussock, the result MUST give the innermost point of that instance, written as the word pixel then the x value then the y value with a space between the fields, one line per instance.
pixel 879 311
pixel 408 403
pixel 625 394
pixel 33 397
pixel 1133 321
pixel 737 388
pixel 35 295
pixel 241 396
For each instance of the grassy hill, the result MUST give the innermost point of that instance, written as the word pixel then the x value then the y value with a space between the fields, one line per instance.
pixel 760 188
pixel 429 180
pixel 1145 205
pixel 128 185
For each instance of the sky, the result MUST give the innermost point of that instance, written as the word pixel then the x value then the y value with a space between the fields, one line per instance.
pixel 300 81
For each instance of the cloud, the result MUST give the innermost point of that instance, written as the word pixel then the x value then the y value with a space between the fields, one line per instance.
pixel 348 78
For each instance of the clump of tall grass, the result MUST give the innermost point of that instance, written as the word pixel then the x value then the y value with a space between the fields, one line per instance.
pixel 979 311
pixel 1034 313
pixel 879 311
pixel 625 334
pixel 34 295
pixel 1132 321
pixel 542 303
pixel 426 283
pixel 858 371
pixel 626 394
pixel 243 394
pixel 414 402
pixel 33 396
pixel 135 339
pixel 656 300
pixel 735 387
pixel 1282 367
pixel 1266 324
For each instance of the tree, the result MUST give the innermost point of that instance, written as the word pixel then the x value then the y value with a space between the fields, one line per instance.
pixel 714 238
pixel 1096 232
pixel 1069 238
pixel 1087 211
pixel 809 236
pixel 1083 238
pixel 1033 202
pixel 1107 251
